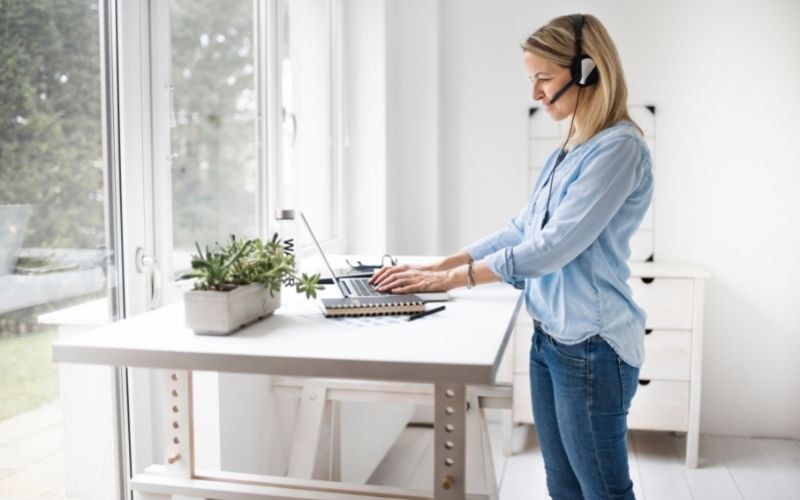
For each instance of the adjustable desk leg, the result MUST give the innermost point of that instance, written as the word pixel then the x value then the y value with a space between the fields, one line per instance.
pixel 178 432
pixel 176 390
pixel 449 453
pixel 175 387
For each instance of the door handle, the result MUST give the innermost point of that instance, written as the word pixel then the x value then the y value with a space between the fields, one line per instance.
pixel 148 264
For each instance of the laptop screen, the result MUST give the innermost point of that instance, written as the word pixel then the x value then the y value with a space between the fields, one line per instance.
pixel 321 253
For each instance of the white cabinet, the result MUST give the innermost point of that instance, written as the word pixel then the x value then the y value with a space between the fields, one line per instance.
pixel 668 396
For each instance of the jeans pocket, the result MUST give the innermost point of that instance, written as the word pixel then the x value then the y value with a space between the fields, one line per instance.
pixel 629 378
pixel 572 353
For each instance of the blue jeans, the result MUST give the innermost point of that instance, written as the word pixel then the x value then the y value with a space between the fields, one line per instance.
pixel 581 395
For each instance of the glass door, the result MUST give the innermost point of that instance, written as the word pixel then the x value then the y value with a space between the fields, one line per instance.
pixel 59 245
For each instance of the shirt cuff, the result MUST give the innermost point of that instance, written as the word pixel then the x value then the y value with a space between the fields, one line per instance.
pixel 501 263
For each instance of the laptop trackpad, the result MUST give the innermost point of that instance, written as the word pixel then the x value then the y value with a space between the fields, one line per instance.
pixel 433 296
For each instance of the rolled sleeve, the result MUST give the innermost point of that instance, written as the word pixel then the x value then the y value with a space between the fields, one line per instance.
pixel 502 263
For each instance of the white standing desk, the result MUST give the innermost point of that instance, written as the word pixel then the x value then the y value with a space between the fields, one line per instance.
pixel 460 346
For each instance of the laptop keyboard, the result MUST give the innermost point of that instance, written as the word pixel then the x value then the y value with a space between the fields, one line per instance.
pixel 362 288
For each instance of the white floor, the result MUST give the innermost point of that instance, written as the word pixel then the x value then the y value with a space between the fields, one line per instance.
pixel 731 468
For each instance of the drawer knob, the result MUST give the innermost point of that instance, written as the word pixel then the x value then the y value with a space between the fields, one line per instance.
pixel 644 381
pixel 648 331
pixel 647 281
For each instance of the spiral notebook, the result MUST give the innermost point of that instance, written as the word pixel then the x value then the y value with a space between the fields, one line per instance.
pixel 372 306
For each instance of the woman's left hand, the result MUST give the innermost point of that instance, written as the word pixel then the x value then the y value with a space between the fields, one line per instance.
pixel 403 279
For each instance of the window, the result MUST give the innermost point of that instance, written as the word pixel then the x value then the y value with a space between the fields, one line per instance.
pixel 214 141
pixel 215 134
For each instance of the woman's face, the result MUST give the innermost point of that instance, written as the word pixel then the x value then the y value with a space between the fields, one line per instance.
pixel 548 78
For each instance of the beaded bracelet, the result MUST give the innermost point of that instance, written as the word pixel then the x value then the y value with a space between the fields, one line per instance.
pixel 470 276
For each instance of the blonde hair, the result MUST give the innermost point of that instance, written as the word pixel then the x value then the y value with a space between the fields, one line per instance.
pixel 603 103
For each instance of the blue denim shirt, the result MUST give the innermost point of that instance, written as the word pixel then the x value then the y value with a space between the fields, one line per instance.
pixel 574 270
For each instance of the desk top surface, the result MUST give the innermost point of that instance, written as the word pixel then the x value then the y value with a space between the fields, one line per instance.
pixel 463 343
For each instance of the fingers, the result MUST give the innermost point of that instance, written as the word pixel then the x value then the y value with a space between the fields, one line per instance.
pixel 408 283
pixel 381 274
pixel 393 280
pixel 413 282
pixel 376 276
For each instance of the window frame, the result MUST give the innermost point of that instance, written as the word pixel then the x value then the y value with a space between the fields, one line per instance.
pixel 274 125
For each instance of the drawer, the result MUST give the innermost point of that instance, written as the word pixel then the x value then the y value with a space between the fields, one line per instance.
pixel 521 400
pixel 522 348
pixel 661 405
pixel 667 355
pixel 667 301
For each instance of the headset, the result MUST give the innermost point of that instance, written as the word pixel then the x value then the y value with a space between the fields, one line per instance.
pixel 584 73
pixel 583 69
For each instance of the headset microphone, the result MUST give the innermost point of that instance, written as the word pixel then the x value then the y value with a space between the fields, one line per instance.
pixel 562 90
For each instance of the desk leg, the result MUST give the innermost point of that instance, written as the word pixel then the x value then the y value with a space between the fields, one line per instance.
pixel 313 419
pixel 449 453
pixel 178 434
pixel 480 475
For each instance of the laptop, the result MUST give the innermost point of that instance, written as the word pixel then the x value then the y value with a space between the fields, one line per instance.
pixel 359 286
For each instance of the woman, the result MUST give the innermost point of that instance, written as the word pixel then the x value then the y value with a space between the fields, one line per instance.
pixel 569 247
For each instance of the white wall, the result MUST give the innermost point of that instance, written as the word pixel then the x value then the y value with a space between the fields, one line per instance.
pixel 412 131
pixel 365 128
pixel 723 77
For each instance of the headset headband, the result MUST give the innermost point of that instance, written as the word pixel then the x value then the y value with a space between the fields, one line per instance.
pixel 577 24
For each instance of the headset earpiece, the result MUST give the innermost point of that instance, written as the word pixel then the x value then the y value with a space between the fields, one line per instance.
pixel 588 74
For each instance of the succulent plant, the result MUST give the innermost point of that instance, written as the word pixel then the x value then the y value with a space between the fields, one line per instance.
pixel 247 261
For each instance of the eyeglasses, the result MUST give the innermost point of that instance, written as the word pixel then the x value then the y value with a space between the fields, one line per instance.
pixel 360 266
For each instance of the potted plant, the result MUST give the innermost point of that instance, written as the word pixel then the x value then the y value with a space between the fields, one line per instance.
pixel 240 282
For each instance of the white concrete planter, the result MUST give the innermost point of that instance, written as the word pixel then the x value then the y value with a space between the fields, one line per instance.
pixel 270 302
pixel 220 313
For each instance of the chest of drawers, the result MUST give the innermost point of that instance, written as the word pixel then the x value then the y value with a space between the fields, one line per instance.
pixel 668 396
